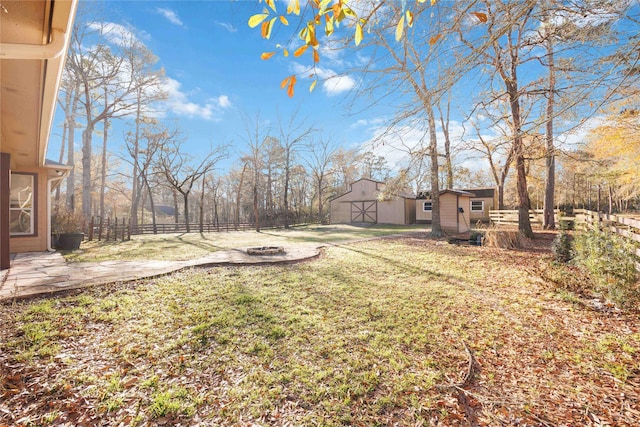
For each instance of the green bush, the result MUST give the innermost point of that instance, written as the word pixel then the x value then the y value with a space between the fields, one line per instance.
pixel 562 248
pixel 611 262
pixel 567 224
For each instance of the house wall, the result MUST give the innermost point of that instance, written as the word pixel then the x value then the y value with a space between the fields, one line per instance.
pixel 37 242
pixel 484 215
pixel 421 215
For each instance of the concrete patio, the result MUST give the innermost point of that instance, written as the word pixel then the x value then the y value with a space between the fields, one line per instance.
pixel 39 273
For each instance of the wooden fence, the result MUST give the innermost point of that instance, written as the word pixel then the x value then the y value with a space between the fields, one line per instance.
pixel 624 226
pixel 120 229
pixel 109 229
pixel 510 217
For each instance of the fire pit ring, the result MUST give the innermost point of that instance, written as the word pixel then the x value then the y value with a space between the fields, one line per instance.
pixel 266 250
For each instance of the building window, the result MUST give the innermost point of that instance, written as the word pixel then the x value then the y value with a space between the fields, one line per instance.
pixel 22 215
pixel 426 206
pixel 477 206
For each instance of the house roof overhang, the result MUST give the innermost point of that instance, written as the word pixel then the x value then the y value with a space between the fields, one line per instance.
pixel 34 39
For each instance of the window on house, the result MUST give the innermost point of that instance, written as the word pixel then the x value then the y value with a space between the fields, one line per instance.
pixel 426 206
pixel 22 205
pixel 477 205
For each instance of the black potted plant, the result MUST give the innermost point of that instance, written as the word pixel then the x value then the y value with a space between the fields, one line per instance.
pixel 66 229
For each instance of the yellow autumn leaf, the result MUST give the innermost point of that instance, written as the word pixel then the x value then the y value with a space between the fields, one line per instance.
pixel 409 16
pixel 313 86
pixel 433 2
pixel 482 17
pixel 255 20
pixel 272 4
pixel 328 26
pixel 359 35
pixel 316 56
pixel 400 28
pixel 290 88
pixel 293 7
pixel 286 52
pixel 267 26
pixel 284 82
pixel 433 40
pixel 266 55
pixel 323 5
pixel 299 51
pixel 284 20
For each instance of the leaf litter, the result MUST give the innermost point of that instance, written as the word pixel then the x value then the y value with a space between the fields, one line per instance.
pixel 406 331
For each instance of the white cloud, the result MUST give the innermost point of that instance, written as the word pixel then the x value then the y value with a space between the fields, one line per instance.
pixel 178 102
pixel 171 16
pixel 338 84
pixel 332 82
pixel 223 101
pixel 227 26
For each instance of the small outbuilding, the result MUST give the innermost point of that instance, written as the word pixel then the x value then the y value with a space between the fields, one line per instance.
pixel 483 200
pixel 454 210
pixel 364 203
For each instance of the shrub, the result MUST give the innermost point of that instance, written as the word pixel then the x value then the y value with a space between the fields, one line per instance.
pixel 611 262
pixel 567 224
pixel 562 247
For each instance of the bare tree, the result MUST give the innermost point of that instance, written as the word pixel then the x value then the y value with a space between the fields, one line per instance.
pixel 319 161
pixel 292 134
pixel 181 173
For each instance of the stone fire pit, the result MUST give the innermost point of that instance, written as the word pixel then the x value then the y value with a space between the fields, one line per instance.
pixel 266 250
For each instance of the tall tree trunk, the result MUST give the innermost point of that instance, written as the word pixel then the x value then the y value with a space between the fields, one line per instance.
pixel 444 122
pixel 436 225
pixel 287 173
pixel 176 212
pixel 63 143
pixel 239 195
pixel 153 206
pixel 204 181
pixel 524 204
pixel 185 201
pixel 135 190
pixel 549 222
pixel 71 179
pixel 103 166
pixel 256 211
pixel 87 184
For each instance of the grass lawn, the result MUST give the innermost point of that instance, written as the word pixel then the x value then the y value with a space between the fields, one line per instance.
pixel 371 334
pixel 180 247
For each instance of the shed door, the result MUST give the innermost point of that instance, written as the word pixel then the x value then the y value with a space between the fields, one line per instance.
pixel 364 212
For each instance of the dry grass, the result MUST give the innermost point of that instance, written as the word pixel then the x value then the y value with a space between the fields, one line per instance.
pixel 365 336
pixel 499 237
pixel 180 247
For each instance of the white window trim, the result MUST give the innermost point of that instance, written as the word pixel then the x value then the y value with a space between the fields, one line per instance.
pixel 31 209
pixel 424 206
pixel 481 205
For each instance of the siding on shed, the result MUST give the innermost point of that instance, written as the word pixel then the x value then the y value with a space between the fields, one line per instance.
pixel 398 210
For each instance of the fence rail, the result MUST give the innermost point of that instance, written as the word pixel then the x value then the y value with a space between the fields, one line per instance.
pixel 510 217
pixel 624 226
pixel 120 229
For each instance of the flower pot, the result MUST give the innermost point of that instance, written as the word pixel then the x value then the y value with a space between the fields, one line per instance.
pixel 69 241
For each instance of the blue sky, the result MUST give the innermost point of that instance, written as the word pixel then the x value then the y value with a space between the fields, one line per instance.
pixel 215 77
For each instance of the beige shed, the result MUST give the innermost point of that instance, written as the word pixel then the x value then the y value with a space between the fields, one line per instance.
pixel 454 210
pixel 363 204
